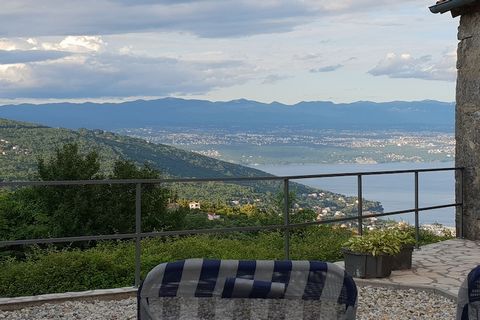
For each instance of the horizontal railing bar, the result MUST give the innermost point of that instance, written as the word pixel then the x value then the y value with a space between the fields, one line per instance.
pixel 225 179
pixel 142 235
pixel 391 213
pixel 367 216
pixel 441 206
pixel 213 230
pixel 67 239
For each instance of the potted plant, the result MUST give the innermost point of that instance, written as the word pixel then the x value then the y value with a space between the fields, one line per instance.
pixel 371 255
pixel 403 259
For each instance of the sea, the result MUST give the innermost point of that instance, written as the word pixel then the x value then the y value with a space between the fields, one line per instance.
pixel 395 191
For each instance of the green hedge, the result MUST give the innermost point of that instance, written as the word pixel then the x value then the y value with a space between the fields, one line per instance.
pixel 111 265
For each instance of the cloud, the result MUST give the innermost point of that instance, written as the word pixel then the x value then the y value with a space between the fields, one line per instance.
pixel 18 44
pixel 23 56
pixel 78 44
pixel 114 75
pixel 208 18
pixel 406 66
pixel 274 78
pixel 12 75
pixel 309 56
pixel 327 68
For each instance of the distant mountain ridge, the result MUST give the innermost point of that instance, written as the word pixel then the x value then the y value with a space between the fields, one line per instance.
pixel 427 115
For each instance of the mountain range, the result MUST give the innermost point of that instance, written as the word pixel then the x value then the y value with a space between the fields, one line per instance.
pixel 241 114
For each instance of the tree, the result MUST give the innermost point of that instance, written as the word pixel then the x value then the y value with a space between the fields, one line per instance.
pixel 306 215
pixel 72 210
pixel 280 200
pixel 121 200
pixel 249 209
pixel 78 210
pixel 69 164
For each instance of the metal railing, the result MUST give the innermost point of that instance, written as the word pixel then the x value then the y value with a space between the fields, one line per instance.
pixel 285 227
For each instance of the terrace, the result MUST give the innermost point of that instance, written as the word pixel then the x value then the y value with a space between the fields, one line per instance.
pixel 437 272
pixel 437 269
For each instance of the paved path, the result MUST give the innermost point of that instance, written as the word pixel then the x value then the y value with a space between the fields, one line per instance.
pixel 440 266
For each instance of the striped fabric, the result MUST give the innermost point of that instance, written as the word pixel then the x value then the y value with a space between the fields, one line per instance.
pixel 203 289
pixel 468 302
pixel 253 289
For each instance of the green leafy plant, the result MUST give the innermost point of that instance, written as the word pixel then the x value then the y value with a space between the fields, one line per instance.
pixel 425 236
pixel 405 238
pixel 376 243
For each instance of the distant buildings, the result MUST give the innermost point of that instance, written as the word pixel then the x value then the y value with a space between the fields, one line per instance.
pixel 213 216
pixel 194 205
pixel 172 206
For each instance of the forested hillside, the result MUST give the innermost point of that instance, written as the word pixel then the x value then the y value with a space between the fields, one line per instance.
pixel 21 144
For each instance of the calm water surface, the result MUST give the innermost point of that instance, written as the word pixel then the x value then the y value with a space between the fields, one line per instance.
pixel 395 192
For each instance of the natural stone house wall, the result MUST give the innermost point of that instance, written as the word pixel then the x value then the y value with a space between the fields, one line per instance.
pixel 467 122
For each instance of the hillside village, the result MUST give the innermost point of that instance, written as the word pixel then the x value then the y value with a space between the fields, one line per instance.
pixel 322 206
pixel 8 148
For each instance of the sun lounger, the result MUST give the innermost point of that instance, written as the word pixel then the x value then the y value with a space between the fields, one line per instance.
pixel 468 303
pixel 254 289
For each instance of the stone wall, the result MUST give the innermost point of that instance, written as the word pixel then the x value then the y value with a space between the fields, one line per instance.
pixel 467 123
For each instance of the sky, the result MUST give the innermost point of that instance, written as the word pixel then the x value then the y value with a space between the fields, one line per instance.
pixel 268 50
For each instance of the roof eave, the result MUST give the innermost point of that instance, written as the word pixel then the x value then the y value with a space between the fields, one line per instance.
pixel 450 5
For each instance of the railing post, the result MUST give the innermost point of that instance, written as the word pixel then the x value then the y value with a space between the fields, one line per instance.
pixel 360 205
pixel 417 223
pixel 138 231
pixel 286 218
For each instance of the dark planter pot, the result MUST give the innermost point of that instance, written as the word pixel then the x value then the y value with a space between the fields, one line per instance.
pixel 363 265
pixel 403 259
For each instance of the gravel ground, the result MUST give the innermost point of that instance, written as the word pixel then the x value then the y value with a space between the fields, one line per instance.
pixel 386 304
pixel 374 303
pixel 76 310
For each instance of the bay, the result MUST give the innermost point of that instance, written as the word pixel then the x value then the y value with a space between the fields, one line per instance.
pixel 394 191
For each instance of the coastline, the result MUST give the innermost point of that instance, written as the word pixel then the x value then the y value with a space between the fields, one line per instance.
pixel 395 192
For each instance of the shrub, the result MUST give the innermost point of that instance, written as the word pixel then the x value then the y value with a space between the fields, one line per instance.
pixel 319 243
pixel 54 271
pixel 111 264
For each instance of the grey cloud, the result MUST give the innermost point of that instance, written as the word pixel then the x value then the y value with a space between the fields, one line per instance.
pixel 309 56
pixel 274 78
pixel 123 76
pixel 327 68
pixel 204 18
pixel 407 66
pixel 214 18
pixel 146 2
pixel 23 56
